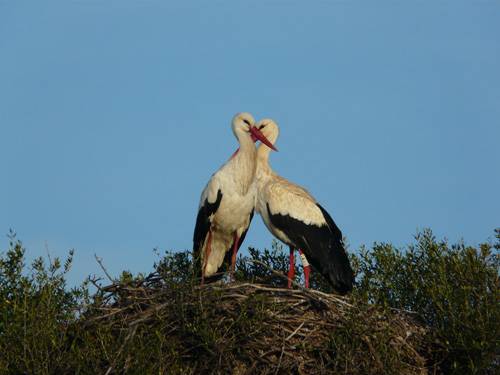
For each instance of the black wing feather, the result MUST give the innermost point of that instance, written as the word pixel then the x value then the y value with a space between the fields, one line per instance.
pixel 322 246
pixel 203 223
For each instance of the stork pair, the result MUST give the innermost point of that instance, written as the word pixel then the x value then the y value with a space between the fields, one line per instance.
pixel 247 183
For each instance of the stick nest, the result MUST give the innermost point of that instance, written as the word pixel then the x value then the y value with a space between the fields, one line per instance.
pixel 245 328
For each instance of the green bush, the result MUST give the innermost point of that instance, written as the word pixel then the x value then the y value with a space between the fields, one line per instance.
pixel 36 308
pixel 453 289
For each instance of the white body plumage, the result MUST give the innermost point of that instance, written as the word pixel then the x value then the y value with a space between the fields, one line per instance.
pixel 235 180
pixel 292 215
pixel 227 202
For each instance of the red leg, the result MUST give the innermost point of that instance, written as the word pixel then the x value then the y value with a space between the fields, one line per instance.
pixel 291 268
pixel 233 257
pixel 208 249
pixel 306 267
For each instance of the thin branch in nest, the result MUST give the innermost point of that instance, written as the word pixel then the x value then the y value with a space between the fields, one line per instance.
pixel 307 291
pixel 99 261
pixel 281 357
pixel 295 332
pixel 127 339
pixel 276 273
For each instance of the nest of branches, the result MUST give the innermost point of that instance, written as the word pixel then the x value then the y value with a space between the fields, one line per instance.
pixel 163 326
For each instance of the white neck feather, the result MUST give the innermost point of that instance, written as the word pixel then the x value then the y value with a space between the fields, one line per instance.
pixel 243 164
pixel 264 170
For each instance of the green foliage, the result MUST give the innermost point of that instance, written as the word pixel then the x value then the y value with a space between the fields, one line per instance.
pixel 453 289
pixel 165 323
pixel 177 268
pixel 258 267
pixel 35 310
pixel 372 341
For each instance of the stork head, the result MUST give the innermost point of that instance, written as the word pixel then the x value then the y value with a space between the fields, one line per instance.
pixel 269 130
pixel 242 123
pixel 244 126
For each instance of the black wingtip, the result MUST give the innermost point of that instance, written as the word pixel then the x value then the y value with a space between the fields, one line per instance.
pixel 340 273
pixel 342 285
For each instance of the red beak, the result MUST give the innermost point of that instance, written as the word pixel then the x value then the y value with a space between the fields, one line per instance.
pixel 258 136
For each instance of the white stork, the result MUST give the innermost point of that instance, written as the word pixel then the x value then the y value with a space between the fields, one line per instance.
pixel 227 203
pixel 294 217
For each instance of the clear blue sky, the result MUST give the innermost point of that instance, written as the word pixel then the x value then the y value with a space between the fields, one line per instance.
pixel 114 114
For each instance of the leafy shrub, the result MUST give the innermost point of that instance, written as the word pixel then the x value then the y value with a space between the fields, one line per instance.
pixel 267 266
pixel 453 289
pixel 35 310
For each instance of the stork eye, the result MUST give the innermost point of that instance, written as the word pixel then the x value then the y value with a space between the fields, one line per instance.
pixel 246 122
pixel 262 127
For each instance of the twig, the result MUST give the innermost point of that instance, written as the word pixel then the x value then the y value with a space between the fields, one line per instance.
pixel 276 273
pixel 294 332
pixel 281 357
pixel 99 260
pixel 129 336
